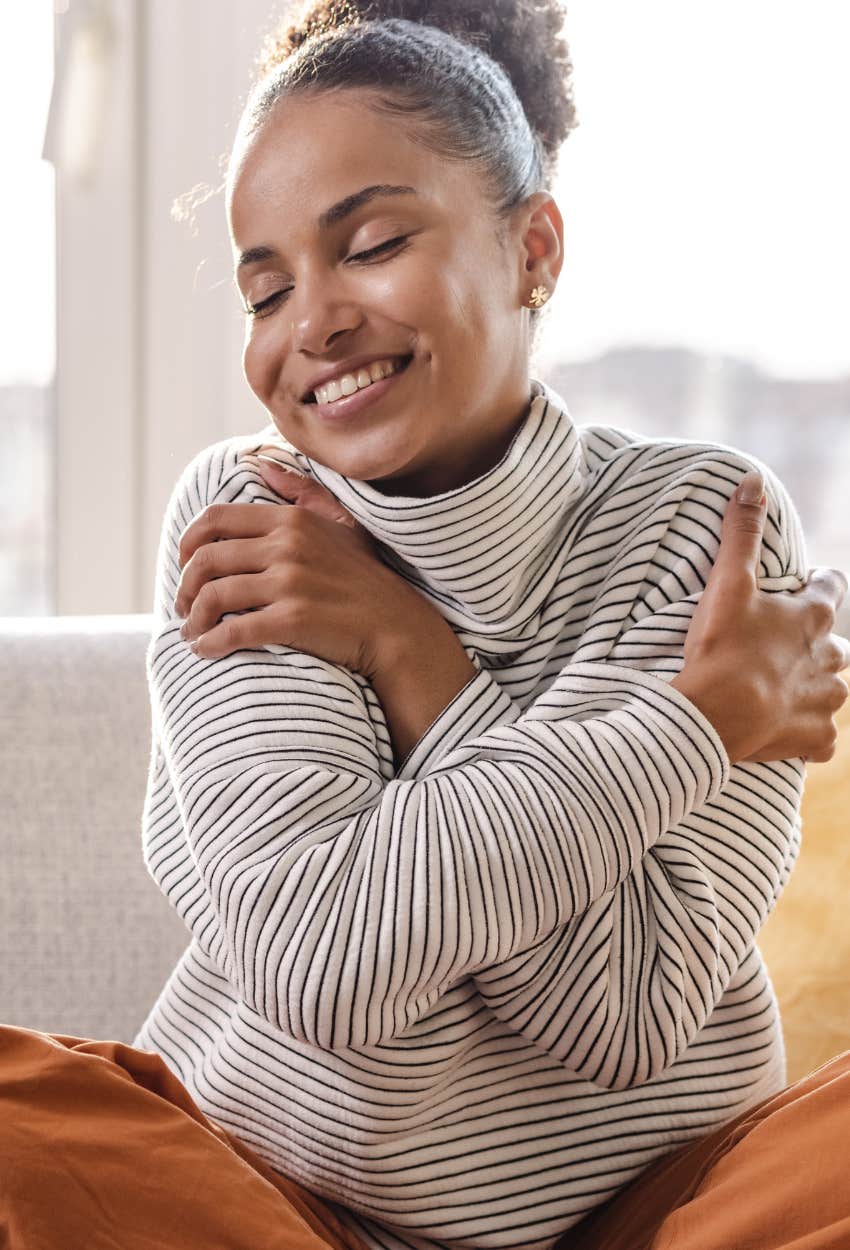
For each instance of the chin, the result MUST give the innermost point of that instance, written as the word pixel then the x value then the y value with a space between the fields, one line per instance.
pixel 363 465
pixel 363 470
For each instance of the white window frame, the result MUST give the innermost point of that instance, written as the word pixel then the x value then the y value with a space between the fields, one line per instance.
pixel 148 333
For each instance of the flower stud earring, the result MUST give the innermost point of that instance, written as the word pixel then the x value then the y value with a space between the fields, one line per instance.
pixel 538 297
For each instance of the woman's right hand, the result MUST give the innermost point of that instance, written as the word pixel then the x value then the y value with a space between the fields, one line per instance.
pixel 763 666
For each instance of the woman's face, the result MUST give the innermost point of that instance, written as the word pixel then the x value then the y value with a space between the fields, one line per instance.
pixel 363 246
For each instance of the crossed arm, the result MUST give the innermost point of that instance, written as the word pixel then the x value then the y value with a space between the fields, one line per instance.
pixel 343 897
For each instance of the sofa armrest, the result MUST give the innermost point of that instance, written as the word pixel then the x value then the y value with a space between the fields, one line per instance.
pixel 86 938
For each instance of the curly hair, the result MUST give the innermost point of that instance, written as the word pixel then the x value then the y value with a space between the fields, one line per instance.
pixel 485 82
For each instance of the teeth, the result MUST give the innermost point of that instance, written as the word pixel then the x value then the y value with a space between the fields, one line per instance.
pixel 351 382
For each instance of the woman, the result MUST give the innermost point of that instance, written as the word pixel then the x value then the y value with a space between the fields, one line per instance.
pixel 476 772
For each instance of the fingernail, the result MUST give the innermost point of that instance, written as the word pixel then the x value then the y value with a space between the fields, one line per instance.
pixel 751 488
pixel 284 468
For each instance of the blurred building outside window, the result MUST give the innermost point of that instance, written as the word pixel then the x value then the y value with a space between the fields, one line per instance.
pixel 703 293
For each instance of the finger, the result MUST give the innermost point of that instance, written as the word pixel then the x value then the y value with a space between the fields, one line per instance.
pixel 226 520
pixel 241 593
pixel 275 455
pixel 819 598
pixel 304 491
pixel 844 645
pixel 240 632
pixel 741 532
pixel 830 653
pixel 214 561
pixel 287 482
pixel 829 582
pixel 283 480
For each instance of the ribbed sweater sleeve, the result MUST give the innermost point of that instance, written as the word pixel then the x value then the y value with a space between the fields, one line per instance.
pixel 619 992
pixel 622 990
pixel 341 903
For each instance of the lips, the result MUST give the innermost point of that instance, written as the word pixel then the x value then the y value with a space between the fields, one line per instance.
pixel 349 408
pixel 347 382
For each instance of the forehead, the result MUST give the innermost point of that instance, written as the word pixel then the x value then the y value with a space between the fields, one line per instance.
pixel 316 148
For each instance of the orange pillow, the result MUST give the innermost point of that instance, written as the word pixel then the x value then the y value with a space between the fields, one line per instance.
pixel 806 940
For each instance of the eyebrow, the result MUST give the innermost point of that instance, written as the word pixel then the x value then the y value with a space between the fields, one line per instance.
pixel 330 217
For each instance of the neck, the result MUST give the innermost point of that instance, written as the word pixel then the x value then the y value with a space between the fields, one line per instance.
pixel 486 553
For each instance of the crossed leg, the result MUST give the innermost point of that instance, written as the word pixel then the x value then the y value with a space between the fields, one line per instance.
pixel 101 1145
pixel 776 1177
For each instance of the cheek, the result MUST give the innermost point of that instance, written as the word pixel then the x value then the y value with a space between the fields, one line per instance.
pixel 467 317
pixel 472 278
pixel 397 298
pixel 257 362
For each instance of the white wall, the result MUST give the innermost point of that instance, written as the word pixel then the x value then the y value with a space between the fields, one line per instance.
pixel 149 332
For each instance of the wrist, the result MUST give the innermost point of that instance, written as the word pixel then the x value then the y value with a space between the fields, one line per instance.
pixel 406 626
pixel 416 675
pixel 729 711
pixel 423 641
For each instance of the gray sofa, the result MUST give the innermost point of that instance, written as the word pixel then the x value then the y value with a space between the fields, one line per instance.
pixel 86 938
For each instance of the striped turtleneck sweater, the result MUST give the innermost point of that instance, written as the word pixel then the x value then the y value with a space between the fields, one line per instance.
pixel 470 997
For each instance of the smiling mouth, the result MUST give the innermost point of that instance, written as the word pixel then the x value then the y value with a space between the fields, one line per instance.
pixel 358 380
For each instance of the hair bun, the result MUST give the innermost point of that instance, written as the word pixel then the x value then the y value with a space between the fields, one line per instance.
pixel 525 37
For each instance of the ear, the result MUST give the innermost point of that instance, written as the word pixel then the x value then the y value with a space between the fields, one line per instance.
pixel 540 228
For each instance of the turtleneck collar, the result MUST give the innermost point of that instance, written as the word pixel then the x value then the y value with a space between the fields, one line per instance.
pixel 488 552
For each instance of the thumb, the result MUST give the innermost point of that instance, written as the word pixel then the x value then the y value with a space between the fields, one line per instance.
pixel 742 531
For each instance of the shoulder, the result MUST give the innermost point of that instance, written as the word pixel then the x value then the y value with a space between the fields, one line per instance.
pixel 218 473
pixel 215 474
pixel 690 481
pixel 634 455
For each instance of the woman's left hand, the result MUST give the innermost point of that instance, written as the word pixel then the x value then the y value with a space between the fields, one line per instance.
pixel 306 576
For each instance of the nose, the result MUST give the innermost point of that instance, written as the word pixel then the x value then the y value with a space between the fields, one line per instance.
pixel 322 312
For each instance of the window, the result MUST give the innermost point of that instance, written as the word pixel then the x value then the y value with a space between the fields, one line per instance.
pixel 704 292
pixel 27 313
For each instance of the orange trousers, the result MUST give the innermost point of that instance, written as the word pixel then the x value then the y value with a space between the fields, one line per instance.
pixel 101 1146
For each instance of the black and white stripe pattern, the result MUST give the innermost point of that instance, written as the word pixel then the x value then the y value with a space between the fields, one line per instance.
pixel 472 997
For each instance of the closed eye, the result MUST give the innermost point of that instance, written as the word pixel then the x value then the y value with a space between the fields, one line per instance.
pixel 396 245
pixel 256 310
pixel 381 247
